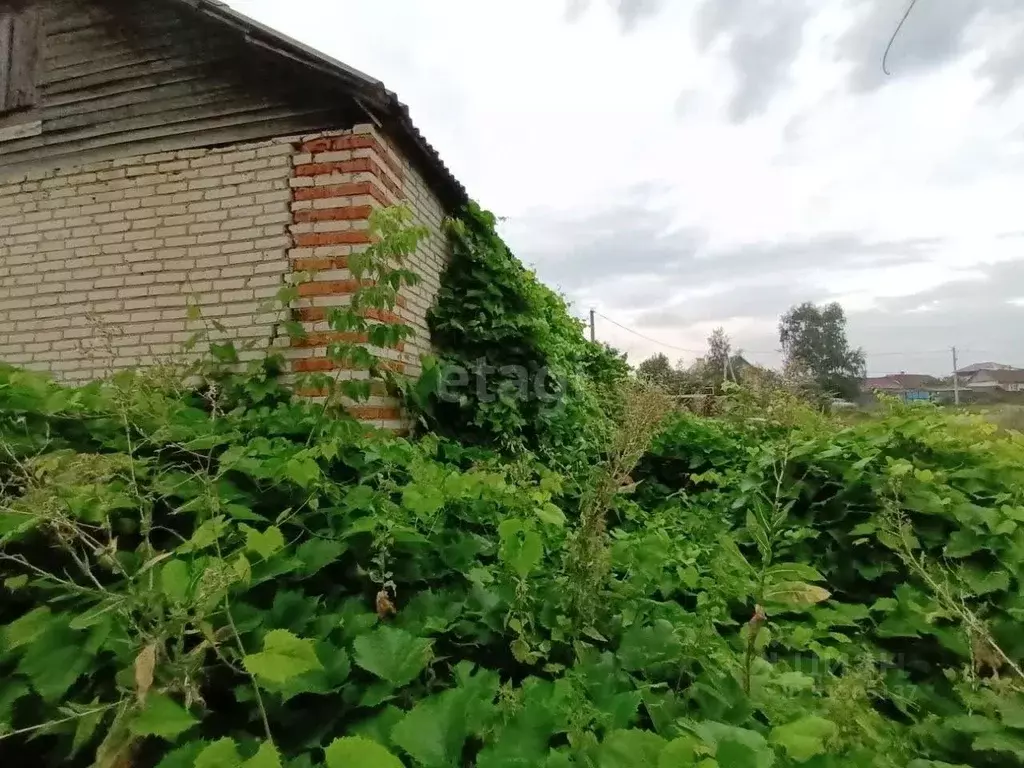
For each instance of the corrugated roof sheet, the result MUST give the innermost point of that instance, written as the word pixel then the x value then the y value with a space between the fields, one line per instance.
pixel 369 91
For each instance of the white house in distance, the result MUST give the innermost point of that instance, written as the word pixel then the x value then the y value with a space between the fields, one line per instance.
pixel 1011 380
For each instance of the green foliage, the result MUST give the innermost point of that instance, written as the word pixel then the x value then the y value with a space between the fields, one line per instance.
pixel 814 338
pixel 515 369
pixel 237 578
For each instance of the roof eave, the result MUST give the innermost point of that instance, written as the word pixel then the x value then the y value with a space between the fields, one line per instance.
pixel 371 93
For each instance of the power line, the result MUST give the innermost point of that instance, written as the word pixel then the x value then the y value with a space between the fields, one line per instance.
pixel 648 338
pixel 917 353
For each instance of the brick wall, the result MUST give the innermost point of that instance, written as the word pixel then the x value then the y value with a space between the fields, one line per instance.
pixel 97 262
pixel 340 177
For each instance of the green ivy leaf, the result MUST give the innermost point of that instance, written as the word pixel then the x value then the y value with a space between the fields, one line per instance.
pixel 804 738
pixel 422 500
pixel 284 656
pixel 264 543
pixel 357 752
pixel 86 725
pixel 631 749
pixel 436 729
pixel 222 753
pixel 162 717
pixel 175 580
pixel 25 630
pixel 521 547
pixel 679 752
pixel 550 514
pixel 54 661
pixel 266 756
pixel 183 757
pixel 784 572
pixel 392 654
pixel 316 554
pixel 226 352
pixel 302 470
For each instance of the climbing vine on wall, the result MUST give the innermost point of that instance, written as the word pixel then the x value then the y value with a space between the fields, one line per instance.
pixel 514 368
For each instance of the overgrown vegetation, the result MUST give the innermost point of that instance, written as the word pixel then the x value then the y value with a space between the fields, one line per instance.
pixel 229 575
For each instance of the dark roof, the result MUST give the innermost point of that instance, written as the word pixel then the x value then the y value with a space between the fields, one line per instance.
pixel 370 93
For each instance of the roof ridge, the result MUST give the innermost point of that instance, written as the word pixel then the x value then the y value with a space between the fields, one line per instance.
pixel 363 86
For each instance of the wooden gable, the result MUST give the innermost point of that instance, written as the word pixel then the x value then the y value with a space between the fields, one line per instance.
pixel 123 77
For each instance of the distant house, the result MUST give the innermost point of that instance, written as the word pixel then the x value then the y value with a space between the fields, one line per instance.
pixel 907 386
pixel 968 373
pixel 151 151
pixel 1004 380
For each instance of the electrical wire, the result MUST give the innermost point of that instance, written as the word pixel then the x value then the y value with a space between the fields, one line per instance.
pixel 895 34
pixel 648 338
pixel 918 353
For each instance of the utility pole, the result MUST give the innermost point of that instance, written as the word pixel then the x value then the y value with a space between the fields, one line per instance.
pixel 956 380
pixel 593 335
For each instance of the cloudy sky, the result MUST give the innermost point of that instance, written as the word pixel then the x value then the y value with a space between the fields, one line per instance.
pixel 683 164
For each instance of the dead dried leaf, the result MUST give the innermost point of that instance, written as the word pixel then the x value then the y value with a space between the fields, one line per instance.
pixel 385 607
pixel 145 664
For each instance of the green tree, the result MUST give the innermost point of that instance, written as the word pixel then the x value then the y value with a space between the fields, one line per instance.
pixel 814 338
pixel 717 359
pixel 658 370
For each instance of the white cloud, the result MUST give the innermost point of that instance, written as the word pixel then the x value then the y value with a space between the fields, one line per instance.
pixel 555 120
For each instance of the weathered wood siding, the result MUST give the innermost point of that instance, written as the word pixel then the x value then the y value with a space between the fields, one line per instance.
pixel 127 77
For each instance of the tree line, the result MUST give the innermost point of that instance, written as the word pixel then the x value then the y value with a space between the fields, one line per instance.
pixel 816 354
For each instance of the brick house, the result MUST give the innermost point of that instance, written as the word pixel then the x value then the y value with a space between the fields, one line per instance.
pixel 156 150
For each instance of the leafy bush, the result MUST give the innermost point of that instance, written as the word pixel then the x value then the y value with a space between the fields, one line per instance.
pixel 231 575
pixel 497 323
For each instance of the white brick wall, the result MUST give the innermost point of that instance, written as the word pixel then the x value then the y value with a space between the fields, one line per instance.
pixel 97 263
pixel 429 263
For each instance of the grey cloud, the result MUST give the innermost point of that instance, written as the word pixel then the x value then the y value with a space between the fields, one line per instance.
pixel 631 256
pixel 762 38
pixel 610 248
pixel 630 239
pixel 751 299
pixel 974 315
pixel 934 34
pixel 630 12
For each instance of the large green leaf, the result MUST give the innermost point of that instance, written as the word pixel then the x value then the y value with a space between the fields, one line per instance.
pixel 266 756
pixel 175 580
pixel 316 554
pixel 284 657
pixel 804 738
pixel 436 729
pixel 357 752
pixel 631 749
pixel 222 753
pixel 162 717
pixel 392 654
pixel 264 543
pixel 521 546
pixel 24 630
pixel 423 500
